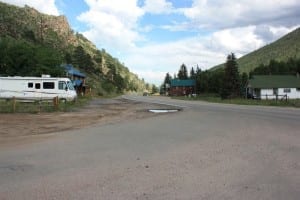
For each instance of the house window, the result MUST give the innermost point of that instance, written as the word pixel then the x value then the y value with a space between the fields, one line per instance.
pixel 275 91
pixel 30 85
pixel 37 86
pixel 287 90
pixel 48 85
pixel 298 89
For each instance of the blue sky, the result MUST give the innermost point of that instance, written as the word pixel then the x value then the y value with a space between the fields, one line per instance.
pixel 153 37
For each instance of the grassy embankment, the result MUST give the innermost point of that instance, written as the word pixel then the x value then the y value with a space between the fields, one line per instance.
pixel 11 106
pixel 242 101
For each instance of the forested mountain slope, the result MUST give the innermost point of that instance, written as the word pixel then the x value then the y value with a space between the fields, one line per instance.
pixel 281 50
pixel 32 43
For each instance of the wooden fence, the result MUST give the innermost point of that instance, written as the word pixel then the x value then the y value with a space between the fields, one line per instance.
pixel 29 105
pixel 276 97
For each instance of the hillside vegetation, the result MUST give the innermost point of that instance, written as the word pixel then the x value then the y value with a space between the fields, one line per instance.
pixel 32 43
pixel 281 50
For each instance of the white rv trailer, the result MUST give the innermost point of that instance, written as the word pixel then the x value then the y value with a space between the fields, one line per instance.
pixel 37 88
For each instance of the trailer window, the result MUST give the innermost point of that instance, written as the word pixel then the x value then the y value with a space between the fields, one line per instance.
pixel 62 85
pixel 30 85
pixel 48 85
pixel 37 86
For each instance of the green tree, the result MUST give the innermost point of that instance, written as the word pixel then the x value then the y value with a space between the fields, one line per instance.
pixel 192 73
pixel 182 73
pixel 167 79
pixel 231 81
pixel 155 89
pixel 244 82
pixel 148 86
pixel 48 61
pixel 82 60
pixel 68 58
pixel 78 56
pixel 29 34
pixel 202 82
pixel 119 82
pixel 292 66
pixel 166 84
pixel 215 81
pixel 20 58
pixel 209 81
pixel 198 70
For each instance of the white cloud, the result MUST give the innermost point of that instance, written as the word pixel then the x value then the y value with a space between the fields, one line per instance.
pixel 226 14
pixel 220 27
pixel 154 60
pixel 112 23
pixel 152 76
pixel 236 40
pixel 206 51
pixel 280 31
pixel 44 6
pixel 158 6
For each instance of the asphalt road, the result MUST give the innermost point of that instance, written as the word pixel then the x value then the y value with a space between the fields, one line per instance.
pixel 205 151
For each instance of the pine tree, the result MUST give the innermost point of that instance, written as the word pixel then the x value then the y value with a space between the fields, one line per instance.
pixel 82 60
pixel 192 73
pixel 182 73
pixel 244 82
pixel 167 82
pixel 231 80
pixel 198 70
pixel 79 57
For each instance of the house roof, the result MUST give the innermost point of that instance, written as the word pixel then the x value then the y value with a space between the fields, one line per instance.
pixel 274 81
pixel 182 83
pixel 77 82
pixel 72 71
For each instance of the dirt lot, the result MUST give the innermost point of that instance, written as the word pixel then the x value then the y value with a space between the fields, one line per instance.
pixel 98 111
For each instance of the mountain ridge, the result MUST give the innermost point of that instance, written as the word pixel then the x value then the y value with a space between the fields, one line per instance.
pixel 286 47
pixel 28 27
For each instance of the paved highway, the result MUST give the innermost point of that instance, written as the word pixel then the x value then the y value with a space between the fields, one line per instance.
pixel 205 151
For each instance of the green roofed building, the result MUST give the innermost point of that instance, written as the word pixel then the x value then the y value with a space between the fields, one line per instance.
pixel 179 87
pixel 274 86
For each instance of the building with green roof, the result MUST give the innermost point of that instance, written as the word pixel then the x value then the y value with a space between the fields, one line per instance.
pixel 274 86
pixel 182 87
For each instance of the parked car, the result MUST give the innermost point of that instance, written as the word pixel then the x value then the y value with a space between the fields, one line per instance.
pixel 252 96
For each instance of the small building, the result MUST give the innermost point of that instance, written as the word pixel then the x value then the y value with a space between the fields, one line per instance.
pixel 77 78
pixel 183 87
pixel 274 87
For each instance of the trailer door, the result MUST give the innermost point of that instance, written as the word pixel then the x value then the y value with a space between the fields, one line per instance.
pixel 38 91
pixel 49 90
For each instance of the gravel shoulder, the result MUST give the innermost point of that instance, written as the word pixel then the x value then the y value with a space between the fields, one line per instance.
pixel 97 112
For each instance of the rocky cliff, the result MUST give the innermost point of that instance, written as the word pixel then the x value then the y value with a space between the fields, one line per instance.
pixel 32 30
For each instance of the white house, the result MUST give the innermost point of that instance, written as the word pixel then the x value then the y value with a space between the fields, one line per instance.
pixel 274 87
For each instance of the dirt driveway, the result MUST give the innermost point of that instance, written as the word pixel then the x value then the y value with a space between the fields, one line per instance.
pixel 98 111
